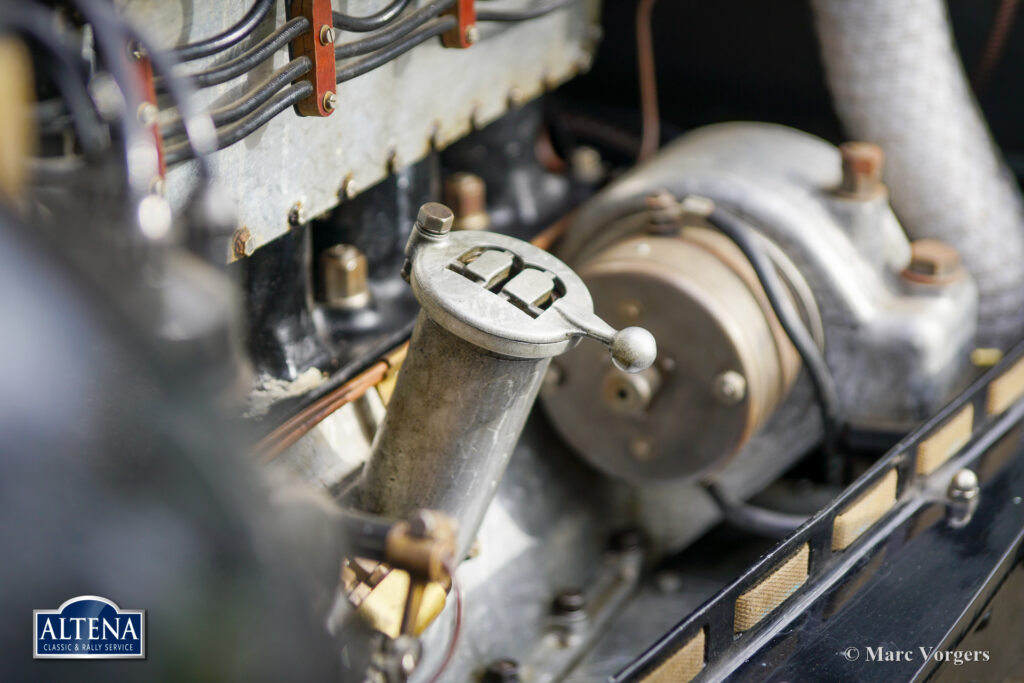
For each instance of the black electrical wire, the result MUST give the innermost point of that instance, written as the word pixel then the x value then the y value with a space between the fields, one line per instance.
pixel 754 519
pixel 244 106
pixel 252 57
pixel 370 22
pixel 394 31
pixel 198 126
pixel 744 237
pixel 112 36
pixel 235 132
pixel 229 38
pixel 488 14
pixel 431 29
pixel 66 71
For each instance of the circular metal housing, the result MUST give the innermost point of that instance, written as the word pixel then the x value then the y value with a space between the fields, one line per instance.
pixel 724 362
pixel 454 282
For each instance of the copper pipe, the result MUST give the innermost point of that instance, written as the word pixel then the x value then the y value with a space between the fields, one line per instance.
pixel 279 440
pixel 647 76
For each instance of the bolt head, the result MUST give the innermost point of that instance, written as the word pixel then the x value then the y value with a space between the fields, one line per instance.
pixel 435 218
pixel 326 34
pixel 964 484
pixel 730 387
pixel 862 169
pixel 933 262
pixel 330 101
pixel 472 34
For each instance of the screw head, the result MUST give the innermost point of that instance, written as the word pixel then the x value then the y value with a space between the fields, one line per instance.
pixel 502 671
pixel 472 34
pixel 326 34
pixel 349 189
pixel 147 113
pixel 330 101
pixel 435 218
pixel 569 602
pixel 730 387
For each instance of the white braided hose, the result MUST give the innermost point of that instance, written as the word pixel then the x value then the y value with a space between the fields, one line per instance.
pixel 897 80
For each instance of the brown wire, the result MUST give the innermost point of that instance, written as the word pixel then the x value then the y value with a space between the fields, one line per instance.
pixel 646 74
pixel 998 33
pixel 278 441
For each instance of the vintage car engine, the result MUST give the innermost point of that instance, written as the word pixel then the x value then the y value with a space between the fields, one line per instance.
pixel 511 340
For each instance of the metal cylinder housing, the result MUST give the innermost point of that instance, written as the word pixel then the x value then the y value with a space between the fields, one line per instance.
pixel 725 363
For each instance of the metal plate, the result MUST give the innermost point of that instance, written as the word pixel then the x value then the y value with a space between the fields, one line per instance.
pixel 386 119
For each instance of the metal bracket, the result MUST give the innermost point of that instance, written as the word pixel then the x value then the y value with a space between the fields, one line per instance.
pixel 318 45
pixel 465 32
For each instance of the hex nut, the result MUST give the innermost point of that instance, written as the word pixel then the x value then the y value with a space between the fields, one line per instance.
pixel 345 276
pixel 466 194
pixel 435 218
pixel 933 262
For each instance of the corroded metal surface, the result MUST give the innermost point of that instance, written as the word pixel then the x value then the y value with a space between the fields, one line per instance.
pixel 388 118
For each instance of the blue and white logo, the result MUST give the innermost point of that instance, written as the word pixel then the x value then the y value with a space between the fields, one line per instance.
pixel 89 627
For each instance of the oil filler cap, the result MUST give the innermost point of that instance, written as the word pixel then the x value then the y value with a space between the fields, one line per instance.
pixel 507 296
